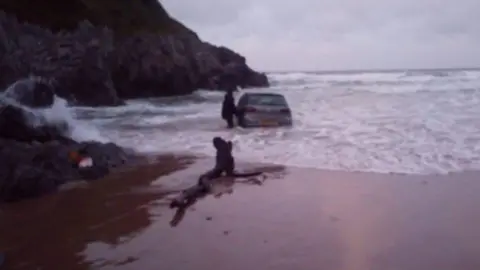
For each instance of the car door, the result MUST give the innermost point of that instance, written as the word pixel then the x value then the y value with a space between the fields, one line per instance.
pixel 242 102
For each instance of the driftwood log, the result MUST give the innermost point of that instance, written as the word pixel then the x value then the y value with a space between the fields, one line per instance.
pixel 204 186
pixel 190 195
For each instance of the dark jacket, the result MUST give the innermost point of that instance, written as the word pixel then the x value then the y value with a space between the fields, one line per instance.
pixel 228 106
pixel 224 158
pixel 224 162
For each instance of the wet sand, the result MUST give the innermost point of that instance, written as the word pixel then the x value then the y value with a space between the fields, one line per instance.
pixel 294 219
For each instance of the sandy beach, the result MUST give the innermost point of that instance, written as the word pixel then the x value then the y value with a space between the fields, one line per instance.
pixel 294 219
pixel 371 108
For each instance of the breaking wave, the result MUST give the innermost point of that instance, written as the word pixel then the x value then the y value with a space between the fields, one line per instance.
pixel 401 122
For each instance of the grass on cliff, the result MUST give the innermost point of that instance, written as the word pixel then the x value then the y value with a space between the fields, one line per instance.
pixel 124 17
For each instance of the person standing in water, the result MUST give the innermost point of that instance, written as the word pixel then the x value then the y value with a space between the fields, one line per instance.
pixel 229 109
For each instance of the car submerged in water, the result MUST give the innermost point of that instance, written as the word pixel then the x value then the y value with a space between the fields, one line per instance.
pixel 263 110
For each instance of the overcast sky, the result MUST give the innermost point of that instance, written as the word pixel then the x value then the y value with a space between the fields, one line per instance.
pixel 339 34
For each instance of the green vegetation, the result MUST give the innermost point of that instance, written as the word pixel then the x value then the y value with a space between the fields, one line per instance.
pixel 124 17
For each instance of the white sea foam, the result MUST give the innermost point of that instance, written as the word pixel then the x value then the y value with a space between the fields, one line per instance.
pixel 58 114
pixel 404 122
pixel 80 131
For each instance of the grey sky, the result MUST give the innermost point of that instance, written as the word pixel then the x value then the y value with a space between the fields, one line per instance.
pixel 339 34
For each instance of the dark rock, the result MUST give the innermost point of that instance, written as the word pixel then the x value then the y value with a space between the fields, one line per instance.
pixel 237 75
pixel 236 72
pixel 31 92
pixel 90 67
pixel 26 126
pixel 76 62
pixel 90 84
pixel 31 170
pixel 106 155
pixel 35 154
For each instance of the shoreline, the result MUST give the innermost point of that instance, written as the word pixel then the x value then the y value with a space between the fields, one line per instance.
pixel 335 220
pixel 138 161
pixel 149 157
pixel 153 161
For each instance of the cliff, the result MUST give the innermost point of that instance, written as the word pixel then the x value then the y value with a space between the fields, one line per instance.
pixel 98 53
pixel 92 53
pixel 124 17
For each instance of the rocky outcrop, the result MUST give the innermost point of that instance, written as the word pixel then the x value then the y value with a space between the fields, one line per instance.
pixel 92 66
pixel 34 92
pixel 28 170
pixel 91 53
pixel 35 154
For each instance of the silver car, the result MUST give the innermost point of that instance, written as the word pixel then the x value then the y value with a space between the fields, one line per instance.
pixel 263 110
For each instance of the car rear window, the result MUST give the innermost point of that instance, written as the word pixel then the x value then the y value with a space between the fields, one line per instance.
pixel 268 100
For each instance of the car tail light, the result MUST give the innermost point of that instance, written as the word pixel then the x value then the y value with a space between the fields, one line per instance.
pixel 250 109
pixel 285 111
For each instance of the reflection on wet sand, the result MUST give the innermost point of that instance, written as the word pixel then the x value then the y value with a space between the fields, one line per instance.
pixel 298 219
pixel 220 187
pixel 48 233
